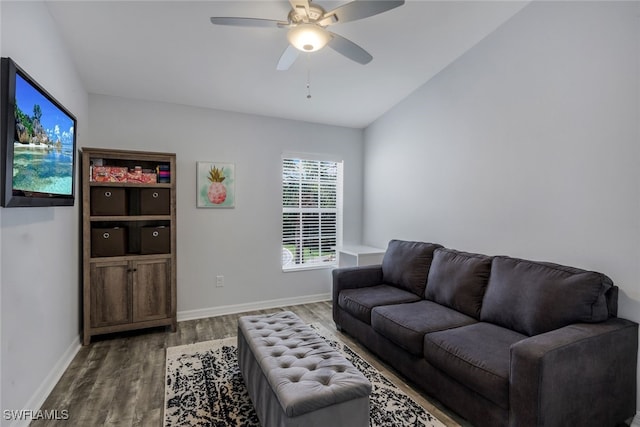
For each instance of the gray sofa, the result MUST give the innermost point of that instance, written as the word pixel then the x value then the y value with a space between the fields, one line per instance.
pixel 501 341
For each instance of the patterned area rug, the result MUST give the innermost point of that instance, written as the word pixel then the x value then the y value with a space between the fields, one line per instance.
pixel 204 387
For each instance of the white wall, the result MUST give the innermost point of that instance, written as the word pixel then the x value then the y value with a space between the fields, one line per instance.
pixel 244 243
pixel 39 266
pixel 528 145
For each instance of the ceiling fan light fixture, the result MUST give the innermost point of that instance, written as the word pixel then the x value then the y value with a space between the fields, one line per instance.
pixel 308 37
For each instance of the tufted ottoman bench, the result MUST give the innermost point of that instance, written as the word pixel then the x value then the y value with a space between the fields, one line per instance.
pixel 295 378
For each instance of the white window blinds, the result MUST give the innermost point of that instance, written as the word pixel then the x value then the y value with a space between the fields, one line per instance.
pixel 311 211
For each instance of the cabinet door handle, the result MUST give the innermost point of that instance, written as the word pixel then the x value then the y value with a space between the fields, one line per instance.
pixel 155 195
pixel 107 194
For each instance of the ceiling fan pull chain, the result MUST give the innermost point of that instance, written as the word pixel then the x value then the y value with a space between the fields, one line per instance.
pixel 308 76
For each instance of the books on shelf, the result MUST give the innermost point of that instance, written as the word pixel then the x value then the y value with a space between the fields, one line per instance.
pixel 164 173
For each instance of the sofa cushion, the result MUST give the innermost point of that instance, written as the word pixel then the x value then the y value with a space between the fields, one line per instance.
pixel 458 280
pixel 477 356
pixel 406 324
pixel 359 302
pixel 535 297
pixel 406 265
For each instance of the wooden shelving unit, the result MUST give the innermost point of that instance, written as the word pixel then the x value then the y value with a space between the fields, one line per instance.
pixel 128 258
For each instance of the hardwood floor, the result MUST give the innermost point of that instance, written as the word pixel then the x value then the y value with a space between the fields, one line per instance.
pixel 119 380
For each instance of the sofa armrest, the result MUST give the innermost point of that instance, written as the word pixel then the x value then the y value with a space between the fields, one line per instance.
pixel 354 277
pixel 582 374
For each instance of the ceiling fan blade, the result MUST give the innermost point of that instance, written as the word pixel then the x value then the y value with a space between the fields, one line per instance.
pixel 349 49
pixel 362 9
pixel 247 22
pixel 287 59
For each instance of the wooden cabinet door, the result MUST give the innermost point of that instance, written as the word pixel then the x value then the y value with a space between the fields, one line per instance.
pixel 110 290
pixel 151 289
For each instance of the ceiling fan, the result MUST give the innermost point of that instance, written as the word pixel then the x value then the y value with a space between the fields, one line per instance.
pixel 307 24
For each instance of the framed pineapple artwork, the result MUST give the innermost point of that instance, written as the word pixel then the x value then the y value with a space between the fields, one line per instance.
pixel 215 183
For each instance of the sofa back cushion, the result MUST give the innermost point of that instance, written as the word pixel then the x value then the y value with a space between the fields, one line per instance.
pixel 458 280
pixel 535 297
pixel 406 265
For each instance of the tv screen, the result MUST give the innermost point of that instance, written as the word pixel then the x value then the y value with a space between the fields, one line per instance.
pixel 38 143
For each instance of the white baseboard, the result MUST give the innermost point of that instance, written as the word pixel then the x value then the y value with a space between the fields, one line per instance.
pixel 240 308
pixel 41 394
pixel 636 420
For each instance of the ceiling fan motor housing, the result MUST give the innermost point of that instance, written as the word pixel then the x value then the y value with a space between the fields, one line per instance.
pixel 299 15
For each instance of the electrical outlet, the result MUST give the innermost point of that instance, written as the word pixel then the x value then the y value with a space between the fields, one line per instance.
pixel 219 281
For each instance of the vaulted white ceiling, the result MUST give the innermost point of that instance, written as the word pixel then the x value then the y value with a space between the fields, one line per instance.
pixel 169 51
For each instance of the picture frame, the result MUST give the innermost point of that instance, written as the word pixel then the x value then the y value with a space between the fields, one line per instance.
pixel 215 182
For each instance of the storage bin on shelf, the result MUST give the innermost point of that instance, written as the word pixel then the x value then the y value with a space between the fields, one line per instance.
pixel 155 201
pixel 108 201
pixel 106 242
pixel 155 240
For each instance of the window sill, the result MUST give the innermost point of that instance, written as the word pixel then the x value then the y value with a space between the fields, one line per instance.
pixel 310 267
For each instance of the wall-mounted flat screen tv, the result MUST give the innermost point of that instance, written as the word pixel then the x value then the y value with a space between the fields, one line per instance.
pixel 38 142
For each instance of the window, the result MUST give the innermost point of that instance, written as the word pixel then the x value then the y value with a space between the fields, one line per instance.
pixel 311 212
